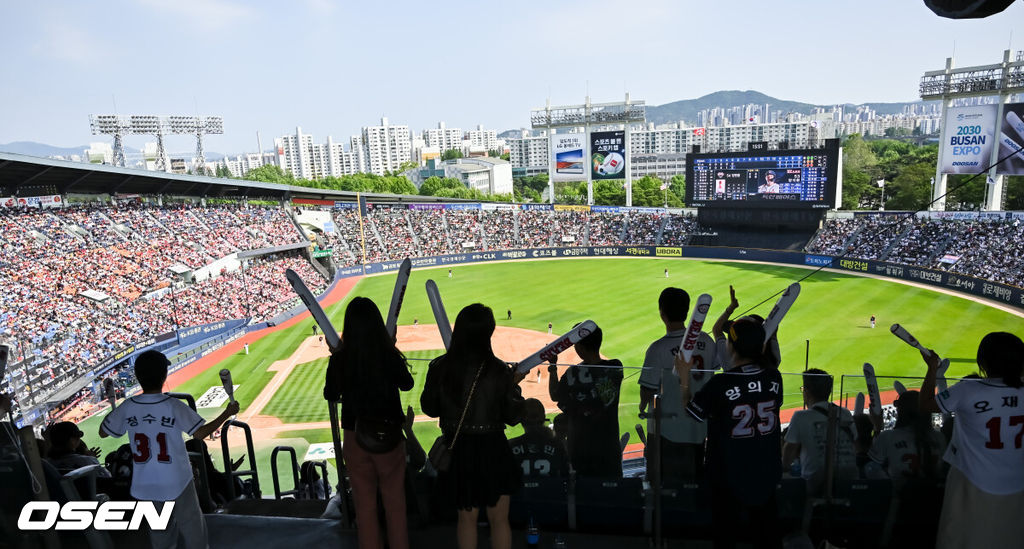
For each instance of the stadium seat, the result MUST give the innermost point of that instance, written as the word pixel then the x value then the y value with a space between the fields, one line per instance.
pixel 686 511
pixel 614 505
pixel 857 520
pixel 545 499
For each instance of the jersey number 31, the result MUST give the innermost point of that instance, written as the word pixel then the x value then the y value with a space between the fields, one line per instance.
pixel 143 452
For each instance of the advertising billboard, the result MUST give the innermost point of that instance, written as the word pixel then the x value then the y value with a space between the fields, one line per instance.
pixel 1011 139
pixel 608 155
pixel 968 138
pixel 568 151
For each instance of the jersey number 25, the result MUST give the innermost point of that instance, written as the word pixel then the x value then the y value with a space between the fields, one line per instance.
pixel 745 414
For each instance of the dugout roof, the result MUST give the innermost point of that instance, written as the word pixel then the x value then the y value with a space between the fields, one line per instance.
pixel 22 175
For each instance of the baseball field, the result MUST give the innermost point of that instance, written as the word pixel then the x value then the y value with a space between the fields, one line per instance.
pixel 281 379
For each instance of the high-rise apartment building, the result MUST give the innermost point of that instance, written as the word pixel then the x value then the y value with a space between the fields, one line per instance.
pixel 387 147
pixel 481 138
pixel 528 154
pixel 378 150
pixel 443 138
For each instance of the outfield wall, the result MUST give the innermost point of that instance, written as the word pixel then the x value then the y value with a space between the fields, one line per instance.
pixel 1001 293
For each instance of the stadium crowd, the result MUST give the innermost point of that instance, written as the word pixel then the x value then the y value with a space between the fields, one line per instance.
pixel 84 282
pixel 983 248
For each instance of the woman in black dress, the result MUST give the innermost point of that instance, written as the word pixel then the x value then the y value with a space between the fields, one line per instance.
pixel 483 472
pixel 367 372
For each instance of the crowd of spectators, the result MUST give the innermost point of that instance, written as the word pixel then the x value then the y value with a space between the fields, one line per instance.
pixel 535 228
pixel 606 228
pixel 84 282
pixel 643 228
pixel 985 248
pixel 464 227
pixel 678 229
pixel 569 228
pixel 396 238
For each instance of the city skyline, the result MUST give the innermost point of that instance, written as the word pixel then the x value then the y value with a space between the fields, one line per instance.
pixel 257 65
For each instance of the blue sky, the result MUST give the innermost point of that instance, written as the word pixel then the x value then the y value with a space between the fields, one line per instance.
pixel 332 67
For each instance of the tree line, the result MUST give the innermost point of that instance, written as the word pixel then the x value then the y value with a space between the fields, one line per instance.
pixel 906 168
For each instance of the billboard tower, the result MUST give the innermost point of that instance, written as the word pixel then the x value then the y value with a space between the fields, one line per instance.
pixel 974 130
pixel 573 155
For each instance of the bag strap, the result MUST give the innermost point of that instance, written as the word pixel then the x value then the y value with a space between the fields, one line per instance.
pixel 466 409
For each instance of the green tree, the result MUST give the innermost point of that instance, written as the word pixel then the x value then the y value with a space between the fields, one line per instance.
pixel 451 154
pixel 860 170
pixel 441 186
pixel 678 187
pixel 897 132
pixel 1014 193
pixel 223 171
pixel 270 174
pixel 609 193
pixel 910 189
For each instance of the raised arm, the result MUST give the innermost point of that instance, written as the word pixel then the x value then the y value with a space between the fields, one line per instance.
pixel 718 330
pixel 553 382
pixel 926 403
pixel 208 428
pixel 683 367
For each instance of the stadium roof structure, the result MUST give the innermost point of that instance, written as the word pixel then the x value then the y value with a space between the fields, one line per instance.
pixel 23 175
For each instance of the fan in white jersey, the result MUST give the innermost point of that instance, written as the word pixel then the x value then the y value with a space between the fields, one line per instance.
pixel 682 437
pixel 984 498
pixel 913 448
pixel 154 423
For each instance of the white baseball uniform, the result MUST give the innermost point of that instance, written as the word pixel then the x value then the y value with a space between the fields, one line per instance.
pixel 988 435
pixel 896 451
pixel 659 375
pixel 155 423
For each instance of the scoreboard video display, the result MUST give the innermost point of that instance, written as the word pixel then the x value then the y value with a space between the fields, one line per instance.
pixel 769 179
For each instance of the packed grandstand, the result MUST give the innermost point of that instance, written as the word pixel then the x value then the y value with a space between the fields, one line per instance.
pixel 134 269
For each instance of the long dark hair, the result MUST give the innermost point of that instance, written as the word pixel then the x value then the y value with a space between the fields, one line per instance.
pixel 366 345
pixel 470 345
pixel 1001 355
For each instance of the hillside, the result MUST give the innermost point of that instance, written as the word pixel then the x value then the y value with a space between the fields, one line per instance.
pixel 687 109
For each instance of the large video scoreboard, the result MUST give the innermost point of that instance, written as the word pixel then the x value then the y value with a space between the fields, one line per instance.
pixel 773 179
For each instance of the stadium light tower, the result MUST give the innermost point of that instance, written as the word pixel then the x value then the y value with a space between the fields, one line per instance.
pixel 112 124
pixel 587 115
pixel 1000 80
pixel 148 124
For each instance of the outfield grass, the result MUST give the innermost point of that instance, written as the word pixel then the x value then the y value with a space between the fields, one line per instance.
pixel 621 296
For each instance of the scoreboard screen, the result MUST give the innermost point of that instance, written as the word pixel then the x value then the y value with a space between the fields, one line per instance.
pixel 779 179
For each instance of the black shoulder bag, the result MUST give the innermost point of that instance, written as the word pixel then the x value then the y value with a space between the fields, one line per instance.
pixel 440 454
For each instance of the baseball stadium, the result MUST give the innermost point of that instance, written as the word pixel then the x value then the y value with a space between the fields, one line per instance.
pixel 197 272
pixel 736 320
